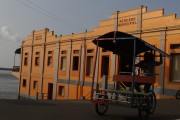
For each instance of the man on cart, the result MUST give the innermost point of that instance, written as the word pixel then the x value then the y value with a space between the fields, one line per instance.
pixel 147 68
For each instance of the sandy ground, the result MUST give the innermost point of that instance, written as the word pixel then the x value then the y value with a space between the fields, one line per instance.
pixel 80 110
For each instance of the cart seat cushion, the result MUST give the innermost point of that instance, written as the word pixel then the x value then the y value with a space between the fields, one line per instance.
pixel 138 79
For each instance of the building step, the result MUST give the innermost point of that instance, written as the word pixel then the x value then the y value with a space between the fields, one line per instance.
pixel 160 96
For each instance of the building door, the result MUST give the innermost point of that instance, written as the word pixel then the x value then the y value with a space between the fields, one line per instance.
pixel 50 91
pixel 105 66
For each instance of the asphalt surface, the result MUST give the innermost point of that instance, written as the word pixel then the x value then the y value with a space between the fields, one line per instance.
pixel 80 110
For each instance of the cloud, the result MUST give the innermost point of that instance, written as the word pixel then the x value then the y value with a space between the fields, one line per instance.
pixel 6 34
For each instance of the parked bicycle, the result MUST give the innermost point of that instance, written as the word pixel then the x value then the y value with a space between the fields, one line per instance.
pixel 178 94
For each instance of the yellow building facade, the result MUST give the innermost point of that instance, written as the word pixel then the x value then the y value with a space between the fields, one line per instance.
pixel 61 67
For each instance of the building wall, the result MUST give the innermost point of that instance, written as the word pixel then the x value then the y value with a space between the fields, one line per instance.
pixel 73 79
pixel 173 37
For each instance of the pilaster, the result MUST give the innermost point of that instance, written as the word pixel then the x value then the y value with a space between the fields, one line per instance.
pixel 162 67
pixel 30 65
pixel 56 64
pixel 68 67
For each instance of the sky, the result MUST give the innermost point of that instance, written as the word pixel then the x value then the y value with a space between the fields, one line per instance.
pixel 18 18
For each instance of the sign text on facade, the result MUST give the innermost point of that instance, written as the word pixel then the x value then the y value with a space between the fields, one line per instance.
pixel 127 21
pixel 38 37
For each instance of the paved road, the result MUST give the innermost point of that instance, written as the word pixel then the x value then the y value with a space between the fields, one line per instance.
pixel 79 110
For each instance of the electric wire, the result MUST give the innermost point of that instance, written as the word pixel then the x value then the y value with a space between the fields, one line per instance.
pixel 47 13
pixel 54 16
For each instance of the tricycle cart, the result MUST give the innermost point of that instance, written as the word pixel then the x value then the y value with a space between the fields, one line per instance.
pixel 126 48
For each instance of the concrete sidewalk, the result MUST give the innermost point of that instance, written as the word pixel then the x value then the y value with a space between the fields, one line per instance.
pixel 80 110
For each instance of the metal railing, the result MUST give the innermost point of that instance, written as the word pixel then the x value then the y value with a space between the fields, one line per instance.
pixel 41 96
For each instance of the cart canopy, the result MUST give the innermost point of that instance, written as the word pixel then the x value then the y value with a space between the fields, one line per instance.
pixel 123 43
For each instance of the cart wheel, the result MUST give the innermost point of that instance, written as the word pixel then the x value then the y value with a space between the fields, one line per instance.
pixel 178 94
pixel 101 108
pixel 144 109
pixel 152 103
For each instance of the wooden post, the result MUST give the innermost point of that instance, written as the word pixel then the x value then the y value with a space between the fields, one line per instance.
pixel 42 96
pixel 93 77
pixel 104 83
pixel 37 95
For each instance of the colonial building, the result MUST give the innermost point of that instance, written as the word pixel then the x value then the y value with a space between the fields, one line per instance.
pixel 61 67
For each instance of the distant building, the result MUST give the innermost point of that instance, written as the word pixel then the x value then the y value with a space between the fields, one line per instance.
pixel 61 67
